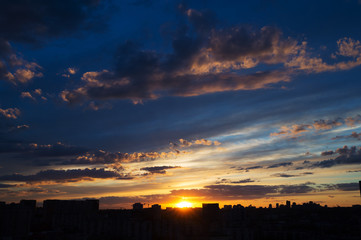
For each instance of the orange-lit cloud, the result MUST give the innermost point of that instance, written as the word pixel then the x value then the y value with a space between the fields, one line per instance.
pixel 293 131
pixel 13 113
pixel 321 124
pixel 211 64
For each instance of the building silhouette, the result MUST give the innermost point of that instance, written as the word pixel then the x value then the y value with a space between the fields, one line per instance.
pixel 73 219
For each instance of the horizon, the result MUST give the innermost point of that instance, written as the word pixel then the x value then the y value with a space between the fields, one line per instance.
pixel 181 101
pixel 185 204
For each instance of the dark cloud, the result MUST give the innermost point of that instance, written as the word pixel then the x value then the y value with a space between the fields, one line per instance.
pixel 204 59
pixel 198 65
pixel 284 175
pixel 347 156
pixel 285 164
pixel 352 135
pixel 13 68
pixel 40 150
pixel 203 21
pixel 158 169
pixel 341 186
pixel 244 191
pixel 35 21
pixel 70 175
pixel 294 189
pixel 249 168
pixel 244 42
pixel 326 124
pixel 3 185
pixel 354 171
pixel 348 186
pixel 228 191
pixel 247 180
pixel 24 20
pixel 327 153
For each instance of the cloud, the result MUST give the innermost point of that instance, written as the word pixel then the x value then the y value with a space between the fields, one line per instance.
pixel 204 59
pixel 228 191
pixel 351 121
pixel 285 175
pixel 30 21
pixel 285 164
pixel 69 71
pixel 158 169
pixel 13 68
pixel 12 113
pixel 2 185
pixel 249 168
pixel 202 64
pixel 247 180
pixel 327 153
pixel 18 128
pixel 244 191
pixel 95 106
pixel 206 142
pixel 32 192
pixel 347 156
pixel 27 95
pixel 354 171
pixel 293 131
pixel 203 21
pixel 34 22
pixel 295 189
pixel 103 157
pixel 341 186
pixel 347 186
pixel 70 175
pixel 40 150
pixel 326 124
pixel 37 93
pixel 353 135
pixel 297 129
pixel 349 47
pixel 185 143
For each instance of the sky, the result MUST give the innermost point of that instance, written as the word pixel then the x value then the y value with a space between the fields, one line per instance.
pixel 235 102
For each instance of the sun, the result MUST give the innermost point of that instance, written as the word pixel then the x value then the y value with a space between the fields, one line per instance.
pixel 184 204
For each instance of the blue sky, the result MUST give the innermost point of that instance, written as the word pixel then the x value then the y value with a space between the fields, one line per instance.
pixel 159 101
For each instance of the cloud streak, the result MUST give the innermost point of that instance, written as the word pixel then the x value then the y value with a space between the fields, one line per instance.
pixel 158 169
pixel 61 176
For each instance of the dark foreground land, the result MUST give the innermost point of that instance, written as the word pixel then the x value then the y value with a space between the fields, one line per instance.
pixel 83 220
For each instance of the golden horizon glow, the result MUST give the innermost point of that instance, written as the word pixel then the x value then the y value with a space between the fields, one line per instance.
pixel 184 204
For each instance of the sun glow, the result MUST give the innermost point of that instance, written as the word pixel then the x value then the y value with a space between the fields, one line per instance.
pixel 184 204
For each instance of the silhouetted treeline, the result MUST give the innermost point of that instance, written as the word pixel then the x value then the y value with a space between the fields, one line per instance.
pixel 78 220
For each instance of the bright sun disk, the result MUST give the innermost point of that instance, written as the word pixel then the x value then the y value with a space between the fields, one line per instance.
pixel 184 204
